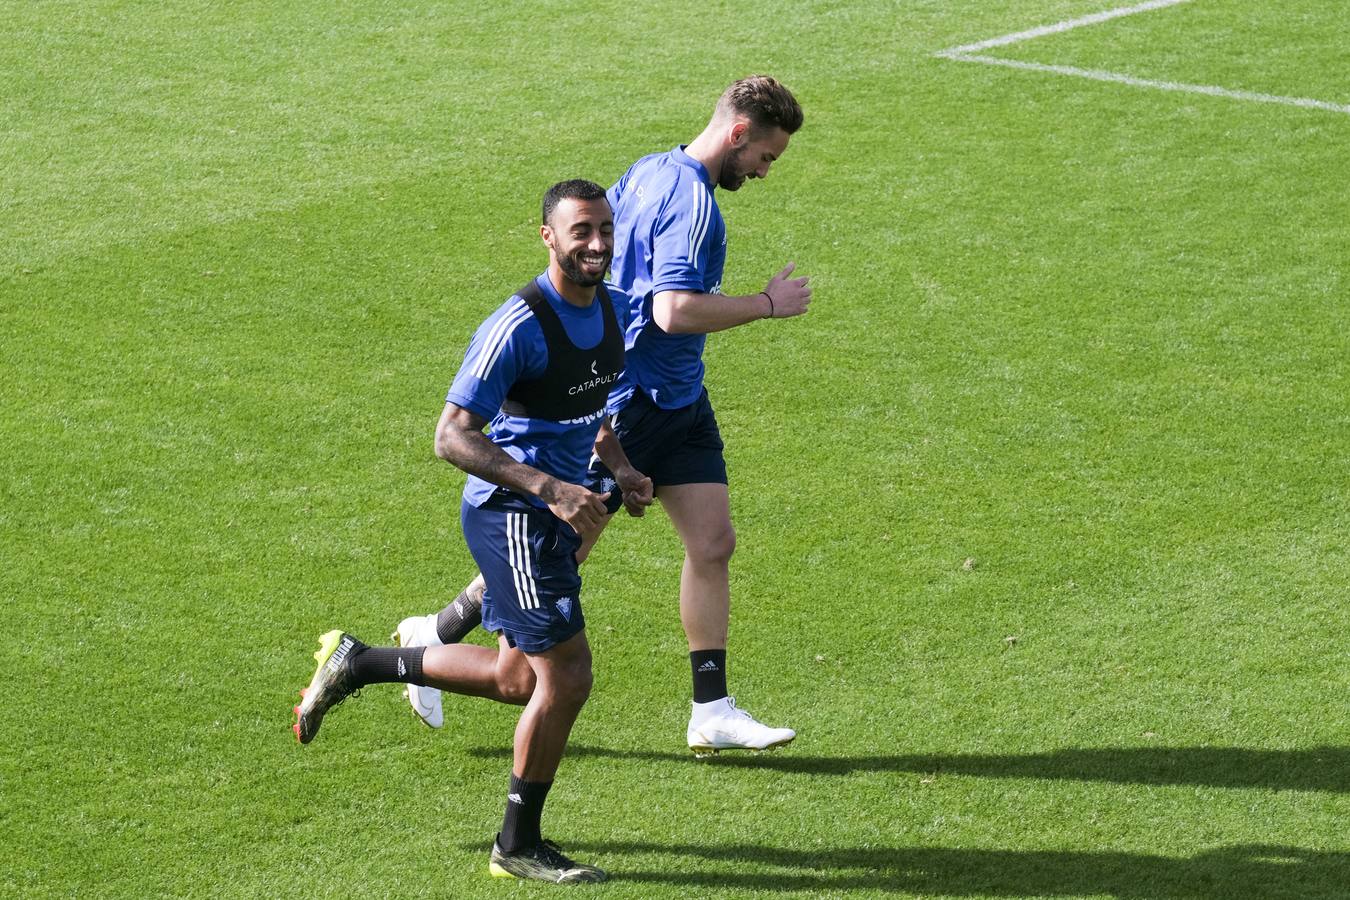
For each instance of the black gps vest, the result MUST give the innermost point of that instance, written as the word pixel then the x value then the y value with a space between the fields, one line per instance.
pixel 577 382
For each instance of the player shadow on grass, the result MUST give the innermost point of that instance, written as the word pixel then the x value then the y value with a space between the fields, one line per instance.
pixel 1315 769
pixel 1218 874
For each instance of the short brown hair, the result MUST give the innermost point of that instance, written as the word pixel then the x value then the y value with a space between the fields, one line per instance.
pixel 765 101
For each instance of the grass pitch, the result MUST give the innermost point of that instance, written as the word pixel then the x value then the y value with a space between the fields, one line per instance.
pixel 1042 509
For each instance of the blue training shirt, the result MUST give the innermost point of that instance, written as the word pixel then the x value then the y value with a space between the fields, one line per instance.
pixel 668 236
pixel 509 347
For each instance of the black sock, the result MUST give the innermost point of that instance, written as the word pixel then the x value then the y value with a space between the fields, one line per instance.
pixel 454 623
pixel 710 674
pixel 376 665
pixel 524 808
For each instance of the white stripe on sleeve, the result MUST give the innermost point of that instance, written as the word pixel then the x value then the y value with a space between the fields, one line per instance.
pixel 699 228
pixel 501 332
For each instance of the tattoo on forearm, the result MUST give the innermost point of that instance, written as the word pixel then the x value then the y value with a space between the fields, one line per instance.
pixel 474 453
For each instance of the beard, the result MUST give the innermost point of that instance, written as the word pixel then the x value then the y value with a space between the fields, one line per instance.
pixel 573 272
pixel 734 170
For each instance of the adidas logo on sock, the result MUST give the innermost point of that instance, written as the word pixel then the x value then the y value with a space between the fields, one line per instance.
pixel 515 798
pixel 402 669
pixel 708 666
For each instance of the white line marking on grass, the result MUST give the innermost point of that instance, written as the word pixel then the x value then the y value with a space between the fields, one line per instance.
pixel 969 53
pixel 1059 27
pixel 1212 90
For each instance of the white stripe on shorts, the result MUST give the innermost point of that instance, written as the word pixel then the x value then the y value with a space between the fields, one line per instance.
pixel 518 550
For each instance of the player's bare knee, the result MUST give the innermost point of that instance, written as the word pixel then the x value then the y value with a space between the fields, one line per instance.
pixel 516 684
pixel 573 686
pixel 714 548
pixel 569 693
pixel 580 680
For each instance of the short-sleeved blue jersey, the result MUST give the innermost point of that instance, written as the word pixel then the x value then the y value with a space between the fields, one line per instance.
pixel 668 236
pixel 509 347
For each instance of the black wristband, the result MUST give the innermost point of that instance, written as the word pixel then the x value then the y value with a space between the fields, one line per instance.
pixel 770 299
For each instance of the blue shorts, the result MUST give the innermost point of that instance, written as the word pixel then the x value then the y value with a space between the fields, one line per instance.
pixel 528 558
pixel 669 446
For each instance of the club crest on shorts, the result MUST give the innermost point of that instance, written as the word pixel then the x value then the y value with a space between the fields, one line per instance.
pixel 565 607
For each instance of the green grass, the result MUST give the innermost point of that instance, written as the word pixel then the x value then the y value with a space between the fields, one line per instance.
pixel 1299 48
pixel 1091 337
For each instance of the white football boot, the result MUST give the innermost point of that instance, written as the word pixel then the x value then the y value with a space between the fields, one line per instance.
pixel 420 631
pixel 721 725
